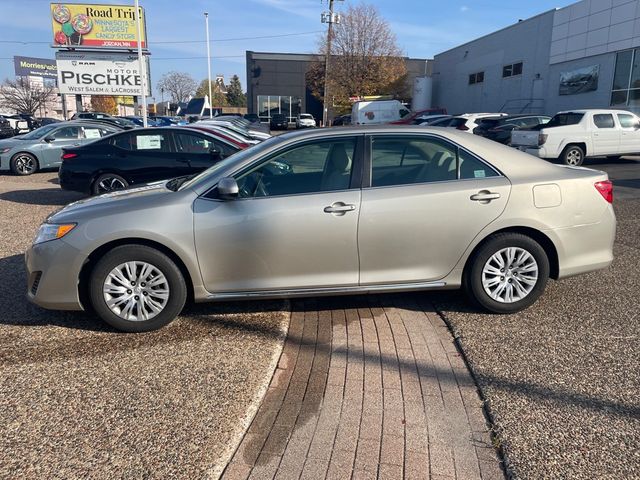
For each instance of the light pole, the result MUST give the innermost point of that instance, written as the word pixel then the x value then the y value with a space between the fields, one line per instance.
pixel 141 68
pixel 206 22
pixel 330 18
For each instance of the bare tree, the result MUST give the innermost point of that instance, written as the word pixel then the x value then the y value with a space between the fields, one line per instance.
pixel 365 58
pixel 180 86
pixel 24 96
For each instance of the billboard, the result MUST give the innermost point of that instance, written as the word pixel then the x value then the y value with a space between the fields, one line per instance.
pixel 96 26
pixel 35 67
pixel 95 73
pixel 581 80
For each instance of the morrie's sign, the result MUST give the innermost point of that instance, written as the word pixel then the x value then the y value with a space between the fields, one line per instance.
pixel 96 26
pixel 34 67
pixel 99 74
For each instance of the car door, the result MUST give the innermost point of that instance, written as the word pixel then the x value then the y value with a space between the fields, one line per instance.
pixel 51 148
pixel 199 151
pixel 288 229
pixel 605 135
pixel 630 133
pixel 147 156
pixel 426 200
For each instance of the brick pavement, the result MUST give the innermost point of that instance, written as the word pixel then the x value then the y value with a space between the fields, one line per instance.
pixel 368 387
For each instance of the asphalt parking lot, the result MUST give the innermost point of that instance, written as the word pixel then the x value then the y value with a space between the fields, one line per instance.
pixel 79 400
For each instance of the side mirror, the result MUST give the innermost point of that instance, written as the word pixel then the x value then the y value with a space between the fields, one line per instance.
pixel 228 188
pixel 49 138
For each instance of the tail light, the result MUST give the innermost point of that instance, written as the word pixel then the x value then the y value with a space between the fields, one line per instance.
pixel 606 190
pixel 542 138
pixel 464 128
pixel 68 156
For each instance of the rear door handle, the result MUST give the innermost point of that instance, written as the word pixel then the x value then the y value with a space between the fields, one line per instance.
pixel 485 196
pixel 339 208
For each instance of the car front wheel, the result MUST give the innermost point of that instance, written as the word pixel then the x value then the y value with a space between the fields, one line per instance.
pixel 23 164
pixel 135 288
pixel 508 273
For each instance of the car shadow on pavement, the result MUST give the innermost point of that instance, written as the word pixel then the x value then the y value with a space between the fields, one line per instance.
pixel 46 196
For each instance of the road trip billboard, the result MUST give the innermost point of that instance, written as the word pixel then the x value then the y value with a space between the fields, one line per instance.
pixel 96 26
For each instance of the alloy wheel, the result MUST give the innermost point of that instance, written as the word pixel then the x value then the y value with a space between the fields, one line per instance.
pixel 510 275
pixel 136 291
pixel 109 184
pixel 25 164
pixel 574 157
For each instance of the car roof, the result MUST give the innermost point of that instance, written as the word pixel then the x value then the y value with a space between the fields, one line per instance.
pixel 594 110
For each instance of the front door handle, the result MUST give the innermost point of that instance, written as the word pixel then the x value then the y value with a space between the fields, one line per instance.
pixel 339 208
pixel 485 196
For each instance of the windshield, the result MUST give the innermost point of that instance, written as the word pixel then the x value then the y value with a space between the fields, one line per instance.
pixel 38 132
pixel 306 116
pixel 229 162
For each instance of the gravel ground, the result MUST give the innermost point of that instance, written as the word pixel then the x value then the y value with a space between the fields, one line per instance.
pixel 562 378
pixel 78 400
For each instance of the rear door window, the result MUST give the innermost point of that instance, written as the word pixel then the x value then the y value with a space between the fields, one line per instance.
pixel 604 120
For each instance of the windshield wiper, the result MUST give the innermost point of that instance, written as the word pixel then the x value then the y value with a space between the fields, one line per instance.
pixel 175 183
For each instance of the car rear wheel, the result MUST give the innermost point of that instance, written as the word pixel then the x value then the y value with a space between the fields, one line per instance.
pixel 573 155
pixel 508 273
pixel 23 164
pixel 136 288
pixel 108 182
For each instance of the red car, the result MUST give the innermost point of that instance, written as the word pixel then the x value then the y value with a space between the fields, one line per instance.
pixel 409 119
pixel 216 132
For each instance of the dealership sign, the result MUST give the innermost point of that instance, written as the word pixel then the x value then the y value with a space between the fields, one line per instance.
pixel 34 67
pixel 99 74
pixel 96 26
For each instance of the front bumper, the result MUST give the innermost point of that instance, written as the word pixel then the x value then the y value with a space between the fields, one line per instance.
pixel 53 271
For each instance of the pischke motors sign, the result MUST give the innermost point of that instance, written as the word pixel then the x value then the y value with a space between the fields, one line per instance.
pixel 99 74
pixel 96 26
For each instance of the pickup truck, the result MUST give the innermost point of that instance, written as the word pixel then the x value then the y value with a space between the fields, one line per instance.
pixel 575 135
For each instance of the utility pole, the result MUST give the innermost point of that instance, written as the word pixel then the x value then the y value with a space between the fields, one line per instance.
pixel 206 21
pixel 141 68
pixel 330 18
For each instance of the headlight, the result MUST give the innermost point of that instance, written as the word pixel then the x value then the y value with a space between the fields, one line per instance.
pixel 4 150
pixel 50 231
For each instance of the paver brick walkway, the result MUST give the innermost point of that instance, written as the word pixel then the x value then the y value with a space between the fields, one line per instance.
pixel 368 387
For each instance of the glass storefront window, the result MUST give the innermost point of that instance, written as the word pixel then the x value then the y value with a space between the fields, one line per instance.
pixel 623 70
pixel 634 98
pixel 270 104
pixel 619 98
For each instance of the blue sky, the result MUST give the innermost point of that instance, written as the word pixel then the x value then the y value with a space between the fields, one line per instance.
pixel 423 28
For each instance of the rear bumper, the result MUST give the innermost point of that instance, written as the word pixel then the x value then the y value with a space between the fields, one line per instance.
pixel 74 182
pixel 586 248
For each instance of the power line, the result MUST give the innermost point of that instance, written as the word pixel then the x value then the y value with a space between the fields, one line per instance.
pixel 169 42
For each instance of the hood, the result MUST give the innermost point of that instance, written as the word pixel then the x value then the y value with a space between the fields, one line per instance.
pixel 130 199
pixel 10 142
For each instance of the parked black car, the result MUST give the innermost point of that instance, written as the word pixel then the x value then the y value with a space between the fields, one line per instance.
pixel 6 130
pixel 252 117
pixel 139 156
pixel 341 120
pixel 499 129
pixel 47 121
pixel 279 121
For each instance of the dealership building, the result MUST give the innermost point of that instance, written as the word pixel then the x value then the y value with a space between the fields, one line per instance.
pixel 586 55
pixel 580 56
pixel 276 83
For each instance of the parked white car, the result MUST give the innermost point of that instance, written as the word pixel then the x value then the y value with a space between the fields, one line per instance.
pixel 575 135
pixel 377 112
pixel 305 120
pixel 466 122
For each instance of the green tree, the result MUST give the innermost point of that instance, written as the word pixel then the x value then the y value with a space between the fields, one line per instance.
pixel 219 99
pixel 235 95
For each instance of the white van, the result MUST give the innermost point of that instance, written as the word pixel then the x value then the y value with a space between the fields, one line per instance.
pixel 377 112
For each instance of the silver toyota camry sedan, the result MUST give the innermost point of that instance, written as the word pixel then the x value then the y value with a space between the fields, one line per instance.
pixel 356 210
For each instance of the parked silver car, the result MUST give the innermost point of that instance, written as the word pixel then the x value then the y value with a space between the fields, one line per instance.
pixel 42 147
pixel 360 210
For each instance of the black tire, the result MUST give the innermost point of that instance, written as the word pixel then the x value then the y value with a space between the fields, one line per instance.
pixel 572 155
pixel 23 164
pixel 472 281
pixel 108 182
pixel 140 253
